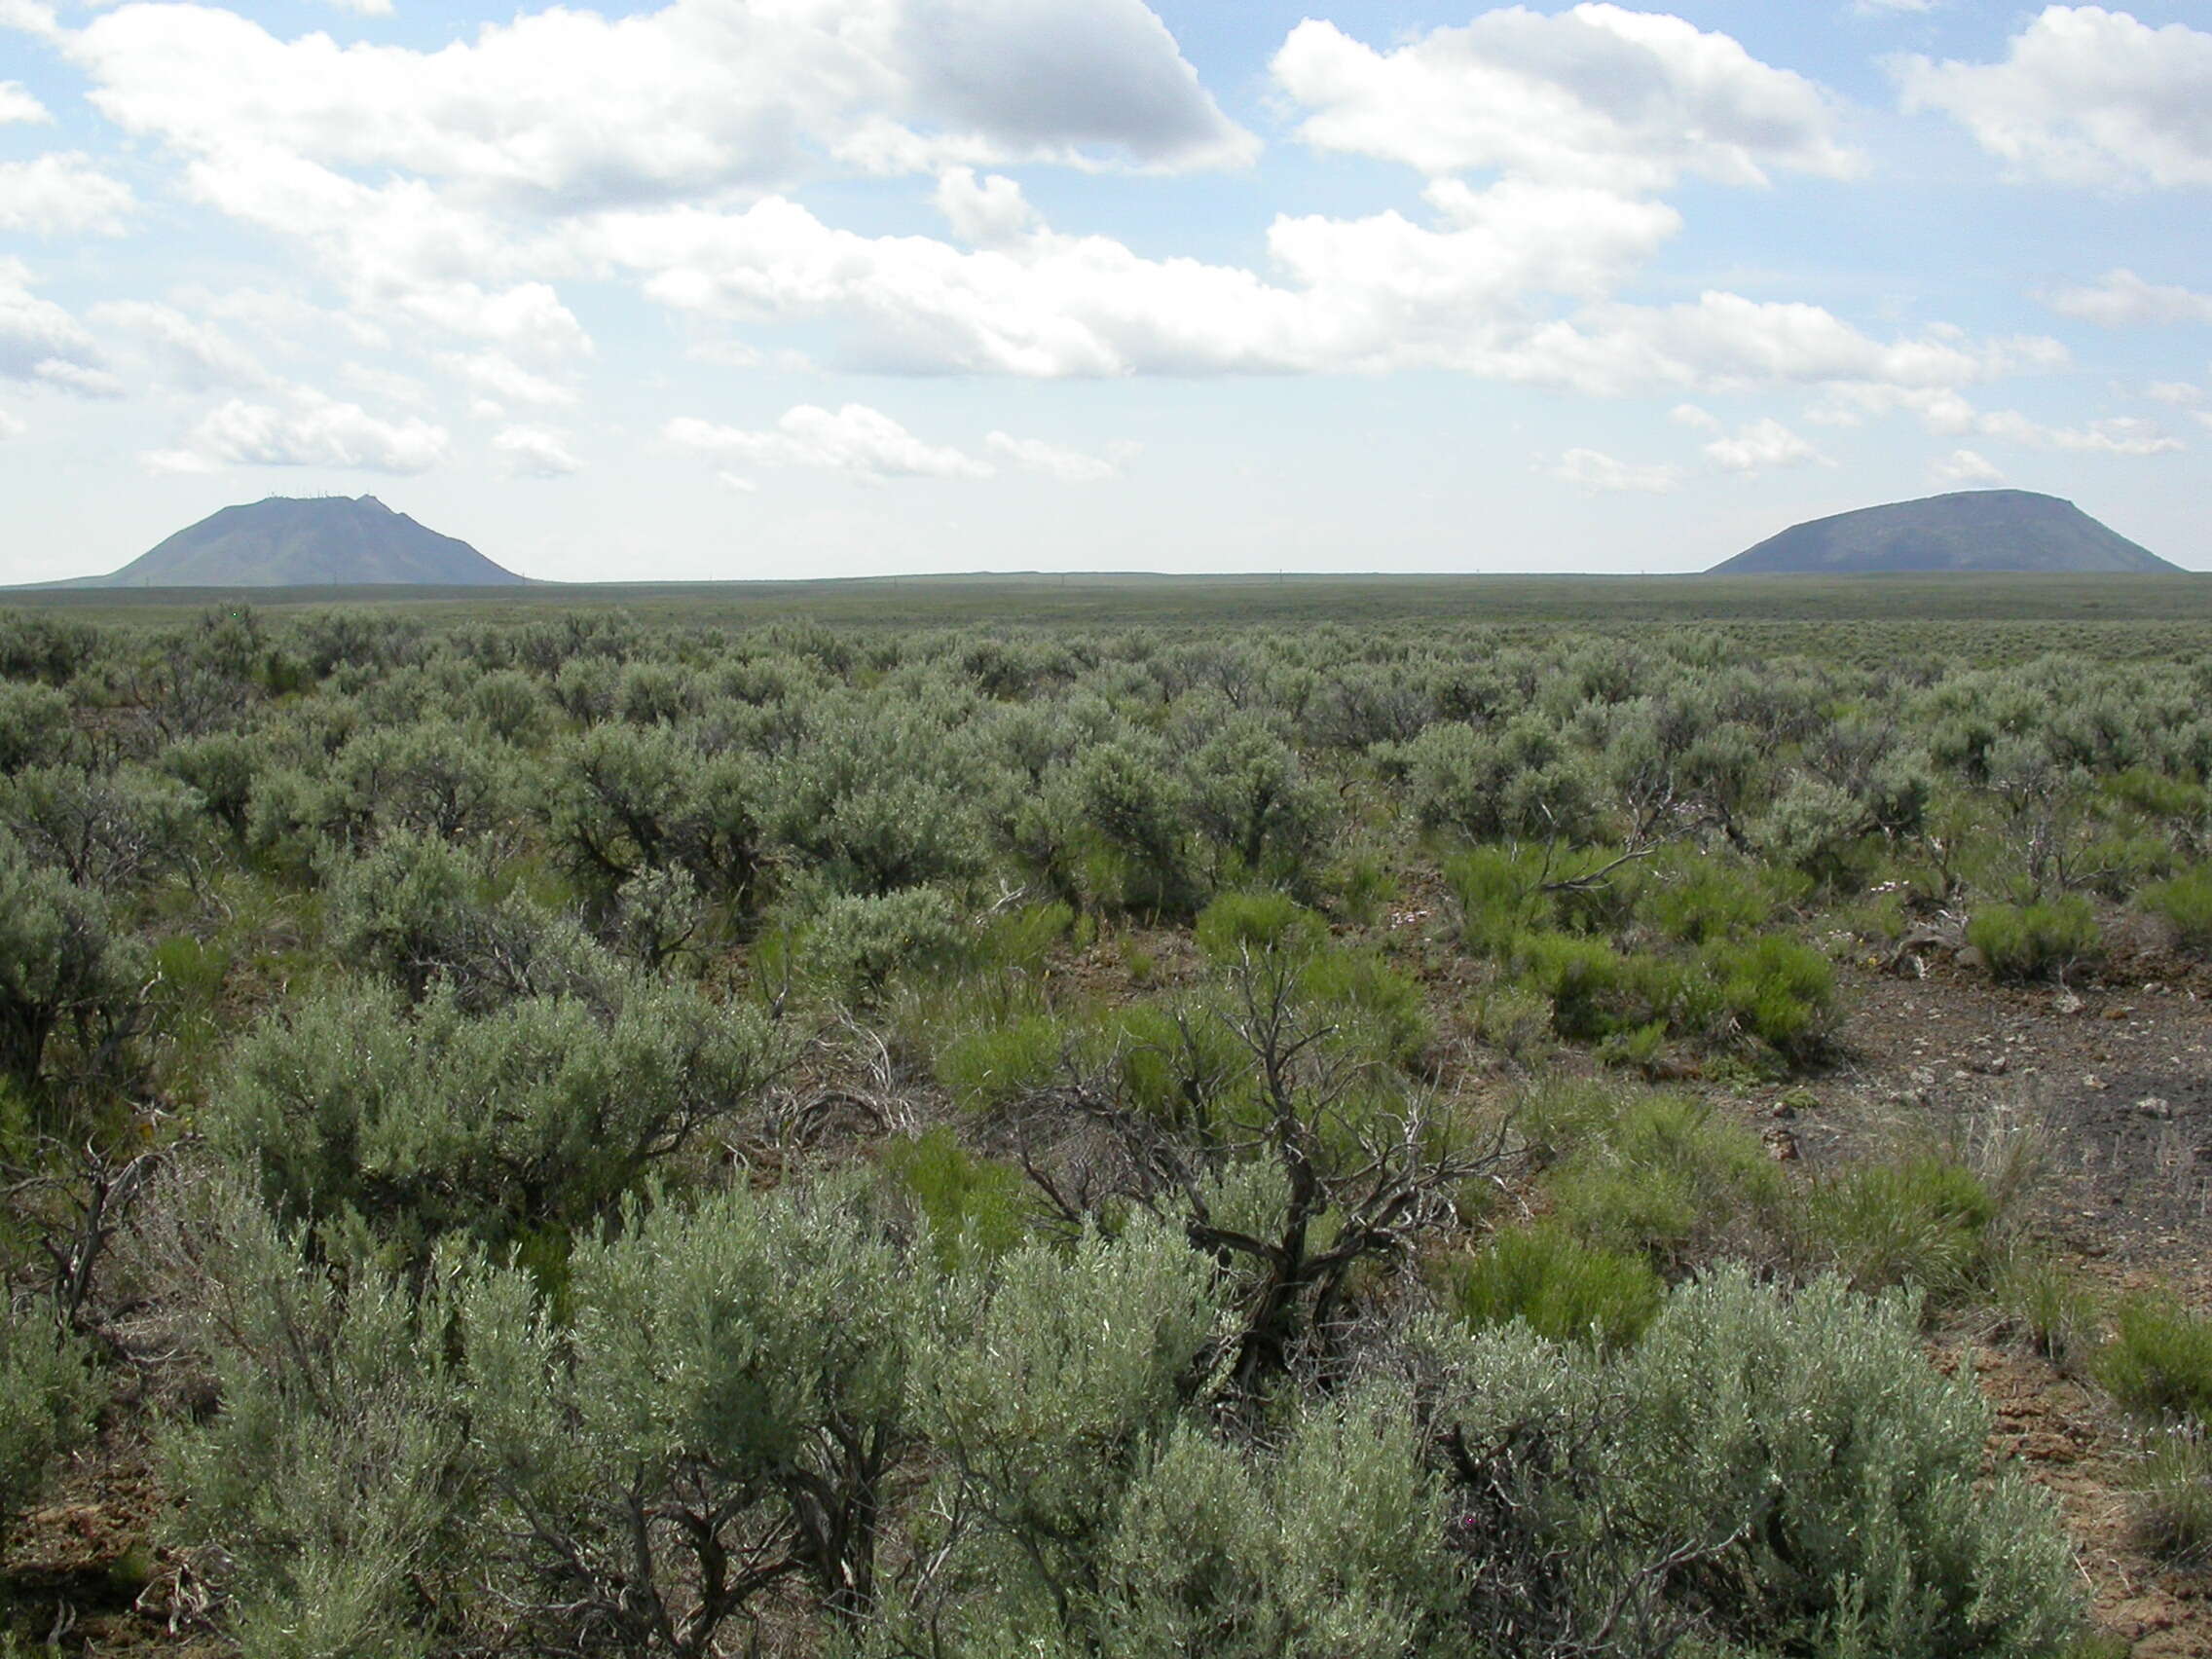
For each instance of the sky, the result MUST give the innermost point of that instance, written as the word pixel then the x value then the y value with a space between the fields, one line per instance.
pixel 725 289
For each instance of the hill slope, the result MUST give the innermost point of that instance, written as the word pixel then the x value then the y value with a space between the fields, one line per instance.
pixel 1974 529
pixel 288 542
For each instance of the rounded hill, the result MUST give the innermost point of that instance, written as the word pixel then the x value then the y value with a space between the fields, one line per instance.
pixel 317 541
pixel 1971 531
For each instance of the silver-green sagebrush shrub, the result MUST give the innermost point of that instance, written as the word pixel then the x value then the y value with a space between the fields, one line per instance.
pixel 48 1397
pixel 526 1123
pixel 110 830
pixel 1323 1546
pixel 1812 1430
pixel 857 942
pixel 331 1480
pixel 718 1410
pixel 1779 1473
pixel 1045 1383
pixel 63 967
pixel 34 725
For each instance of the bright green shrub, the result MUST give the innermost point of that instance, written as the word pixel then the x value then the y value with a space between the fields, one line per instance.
pixel 1496 889
pixel 1020 939
pixel 1927 1222
pixel 1701 896
pixel 992 1065
pixel 2033 942
pixel 1235 922
pixel 1775 989
pixel 970 1204
pixel 1672 1180
pixel 2158 1362
pixel 1588 983
pixel 1377 1009
pixel 1181 1066
pixel 2157 794
pixel 1568 1291
pixel 2186 902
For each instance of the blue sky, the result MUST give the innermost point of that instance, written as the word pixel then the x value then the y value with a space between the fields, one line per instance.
pixel 728 288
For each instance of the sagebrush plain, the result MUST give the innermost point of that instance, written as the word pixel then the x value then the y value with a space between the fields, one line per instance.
pixel 1109 1115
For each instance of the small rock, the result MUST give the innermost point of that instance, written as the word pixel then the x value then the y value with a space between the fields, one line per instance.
pixel 2065 1002
pixel 2119 1014
pixel 1971 957
pixel 2152 1106
pixel 1782 1111
pixel 2093 1081
pixel 1782 1145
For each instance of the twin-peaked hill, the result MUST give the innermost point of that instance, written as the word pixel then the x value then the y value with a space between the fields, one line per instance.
pixel 322 541
pixel 1974 530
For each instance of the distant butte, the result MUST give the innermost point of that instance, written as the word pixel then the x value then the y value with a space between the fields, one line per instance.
pixel 1971 531
pixel 321 541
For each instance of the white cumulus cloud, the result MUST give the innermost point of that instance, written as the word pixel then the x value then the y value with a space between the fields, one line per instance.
pixel 1761 445
pixel 501 377
pixel 309 429
pixel 40 341
pixel 2121 434
pixel 11 425
pixel 188 351
pixel 2119 299
pixel 854 439
pixel 570 106
pixel 1595 95
pixel 1595 471
pixel 62 195
pixel 2084 95
pixel 1068 465
pixel 533 452
pixel 18 104
pixel 1367 295
pixel 1965 466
